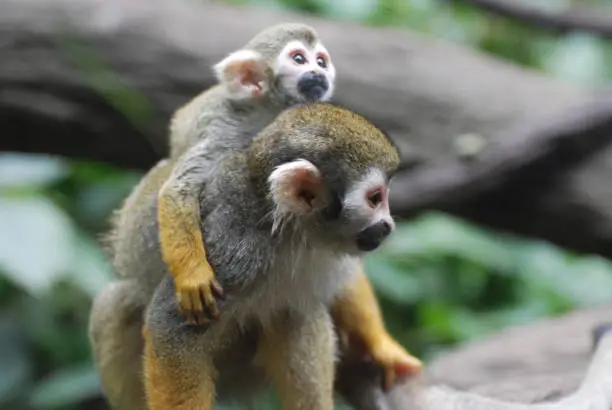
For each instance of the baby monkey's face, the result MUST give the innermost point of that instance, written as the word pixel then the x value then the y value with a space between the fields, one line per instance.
pixel 305 72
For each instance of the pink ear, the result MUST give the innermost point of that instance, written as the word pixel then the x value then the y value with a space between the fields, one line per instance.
pixel 244 74
pixel 296 187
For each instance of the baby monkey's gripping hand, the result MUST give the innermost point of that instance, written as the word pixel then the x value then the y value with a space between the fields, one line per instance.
pixel 196 292
pixel 183 251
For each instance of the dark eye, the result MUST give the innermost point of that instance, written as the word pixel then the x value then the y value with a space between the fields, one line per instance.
pixel 299 58
pixel 375 198
pixel 321 62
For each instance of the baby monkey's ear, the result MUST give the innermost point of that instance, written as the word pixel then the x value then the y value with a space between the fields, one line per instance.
pixel 244 74
pixel 297 187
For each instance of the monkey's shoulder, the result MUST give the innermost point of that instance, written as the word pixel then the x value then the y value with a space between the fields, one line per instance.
pixel 236 249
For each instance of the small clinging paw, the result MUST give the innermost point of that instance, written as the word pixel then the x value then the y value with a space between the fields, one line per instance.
pixel 196 294
pixel 396 362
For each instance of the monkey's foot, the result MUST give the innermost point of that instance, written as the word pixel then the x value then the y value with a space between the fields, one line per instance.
pixel 395 361
pixel 196 294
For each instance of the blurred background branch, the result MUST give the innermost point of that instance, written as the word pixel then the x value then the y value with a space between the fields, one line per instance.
pixel 587 18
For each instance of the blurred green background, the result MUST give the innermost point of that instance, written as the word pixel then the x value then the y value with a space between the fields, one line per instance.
pixel 440 280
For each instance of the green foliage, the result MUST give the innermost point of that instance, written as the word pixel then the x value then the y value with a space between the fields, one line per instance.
pixel 51 266
pixel 444 281
pixel 440 280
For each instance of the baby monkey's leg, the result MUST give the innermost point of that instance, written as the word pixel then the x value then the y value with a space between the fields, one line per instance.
pixel 360 324
pixel 298 355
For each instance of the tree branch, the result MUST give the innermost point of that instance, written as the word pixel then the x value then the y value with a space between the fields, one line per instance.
pixel 529 163
pixel 545 359
pixel 546 149
pixel 65 60
pixel 531 15
pixel 595 392
pixel 477 375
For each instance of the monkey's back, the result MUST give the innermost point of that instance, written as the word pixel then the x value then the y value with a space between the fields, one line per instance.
pixel 190 117
pixel 211 114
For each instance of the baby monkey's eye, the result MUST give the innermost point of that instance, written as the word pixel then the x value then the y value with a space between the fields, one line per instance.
pixel 298 58
pixel 321 61
pixel 375 197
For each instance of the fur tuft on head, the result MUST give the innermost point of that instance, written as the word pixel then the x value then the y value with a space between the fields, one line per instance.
pixel 270 41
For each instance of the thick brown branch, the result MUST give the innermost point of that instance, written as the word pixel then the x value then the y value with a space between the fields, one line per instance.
pixel 542 360
pixel 529 356
pixel 595 392
pixel 120 67
pixel 544 151
pixel 557 22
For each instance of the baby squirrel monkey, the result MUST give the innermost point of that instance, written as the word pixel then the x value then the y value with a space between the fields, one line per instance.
pixel 282 66
pixel 286 221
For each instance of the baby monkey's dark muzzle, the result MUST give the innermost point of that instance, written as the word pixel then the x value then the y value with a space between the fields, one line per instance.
pixel 371 237
pixel 313 85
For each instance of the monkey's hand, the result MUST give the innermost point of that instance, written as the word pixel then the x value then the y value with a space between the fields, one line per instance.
pixel 196 293
pixel 394 360
pixel 183 250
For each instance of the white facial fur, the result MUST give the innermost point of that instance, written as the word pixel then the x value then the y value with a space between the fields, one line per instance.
pixel 358 203
pixel 290 71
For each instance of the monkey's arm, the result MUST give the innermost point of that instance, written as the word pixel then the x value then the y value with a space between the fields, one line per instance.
pixel 357 316
pixel 182 246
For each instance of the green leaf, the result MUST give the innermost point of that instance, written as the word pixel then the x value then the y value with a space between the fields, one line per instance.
pixel 15 362
pixel 65 387
pixel 436 236
pixel 348 9
pixel 103 193
pixel 19 170
pixel 91 269
pixel 584 281
pixel 391 282
pixel 579 58
pixel 35 242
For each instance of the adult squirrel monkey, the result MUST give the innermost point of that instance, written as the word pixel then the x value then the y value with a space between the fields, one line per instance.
pixel 286 221
pixel 223 118
pixel 282 66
